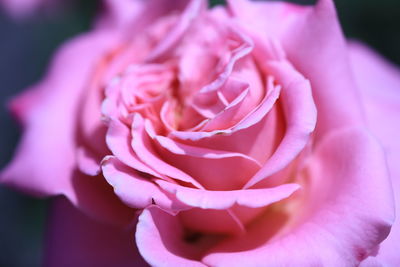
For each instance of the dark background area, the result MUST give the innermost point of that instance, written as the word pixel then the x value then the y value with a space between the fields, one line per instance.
pixel 25 50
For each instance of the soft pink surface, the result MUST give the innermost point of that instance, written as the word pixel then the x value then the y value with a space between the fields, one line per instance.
pixel 241 134
pixel 379 82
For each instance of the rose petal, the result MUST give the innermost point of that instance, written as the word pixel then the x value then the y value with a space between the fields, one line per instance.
pixel 159 238
pixel 253 118
pixel 189 14
pixel 88 163
pixel 348 211
pixel 141 144
pixel 119 13
pixel 209 166
pixel 221 200
pixel 297 28
pixel 73 239
pixel 300 115
pixel 134 190
pixel 379 82
pixel 47 151
pixel 118 140
pixel 321 23
pixel 233 112
pixel 198 152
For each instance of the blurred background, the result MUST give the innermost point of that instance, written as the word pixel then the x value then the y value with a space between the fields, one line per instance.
pixel 27 45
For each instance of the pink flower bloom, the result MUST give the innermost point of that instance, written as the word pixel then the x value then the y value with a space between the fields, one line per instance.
pixel 246 135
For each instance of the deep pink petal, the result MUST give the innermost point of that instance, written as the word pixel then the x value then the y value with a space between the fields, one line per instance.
pixel 347 211
pixel 379 83
pixel 73 239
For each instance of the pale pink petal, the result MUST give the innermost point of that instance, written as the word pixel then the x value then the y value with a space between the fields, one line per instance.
pixel 222 200
pixel 134 189
pixel 346 212
pixel 379 84
pixel 73 239
pixel 160 240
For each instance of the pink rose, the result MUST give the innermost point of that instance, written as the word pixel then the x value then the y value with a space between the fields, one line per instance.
pixel 234 136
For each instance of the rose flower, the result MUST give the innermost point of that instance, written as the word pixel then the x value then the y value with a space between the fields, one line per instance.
pixel 245 135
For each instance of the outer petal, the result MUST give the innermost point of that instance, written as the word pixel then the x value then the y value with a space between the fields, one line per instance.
pixel 75 240
pixel 306 32
pixel 45 160
pixel 379 84
pixel 347 212
pixel 137 15
pixel 120 12
pixel 41 140
pixel 317 32
pixel 160 239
